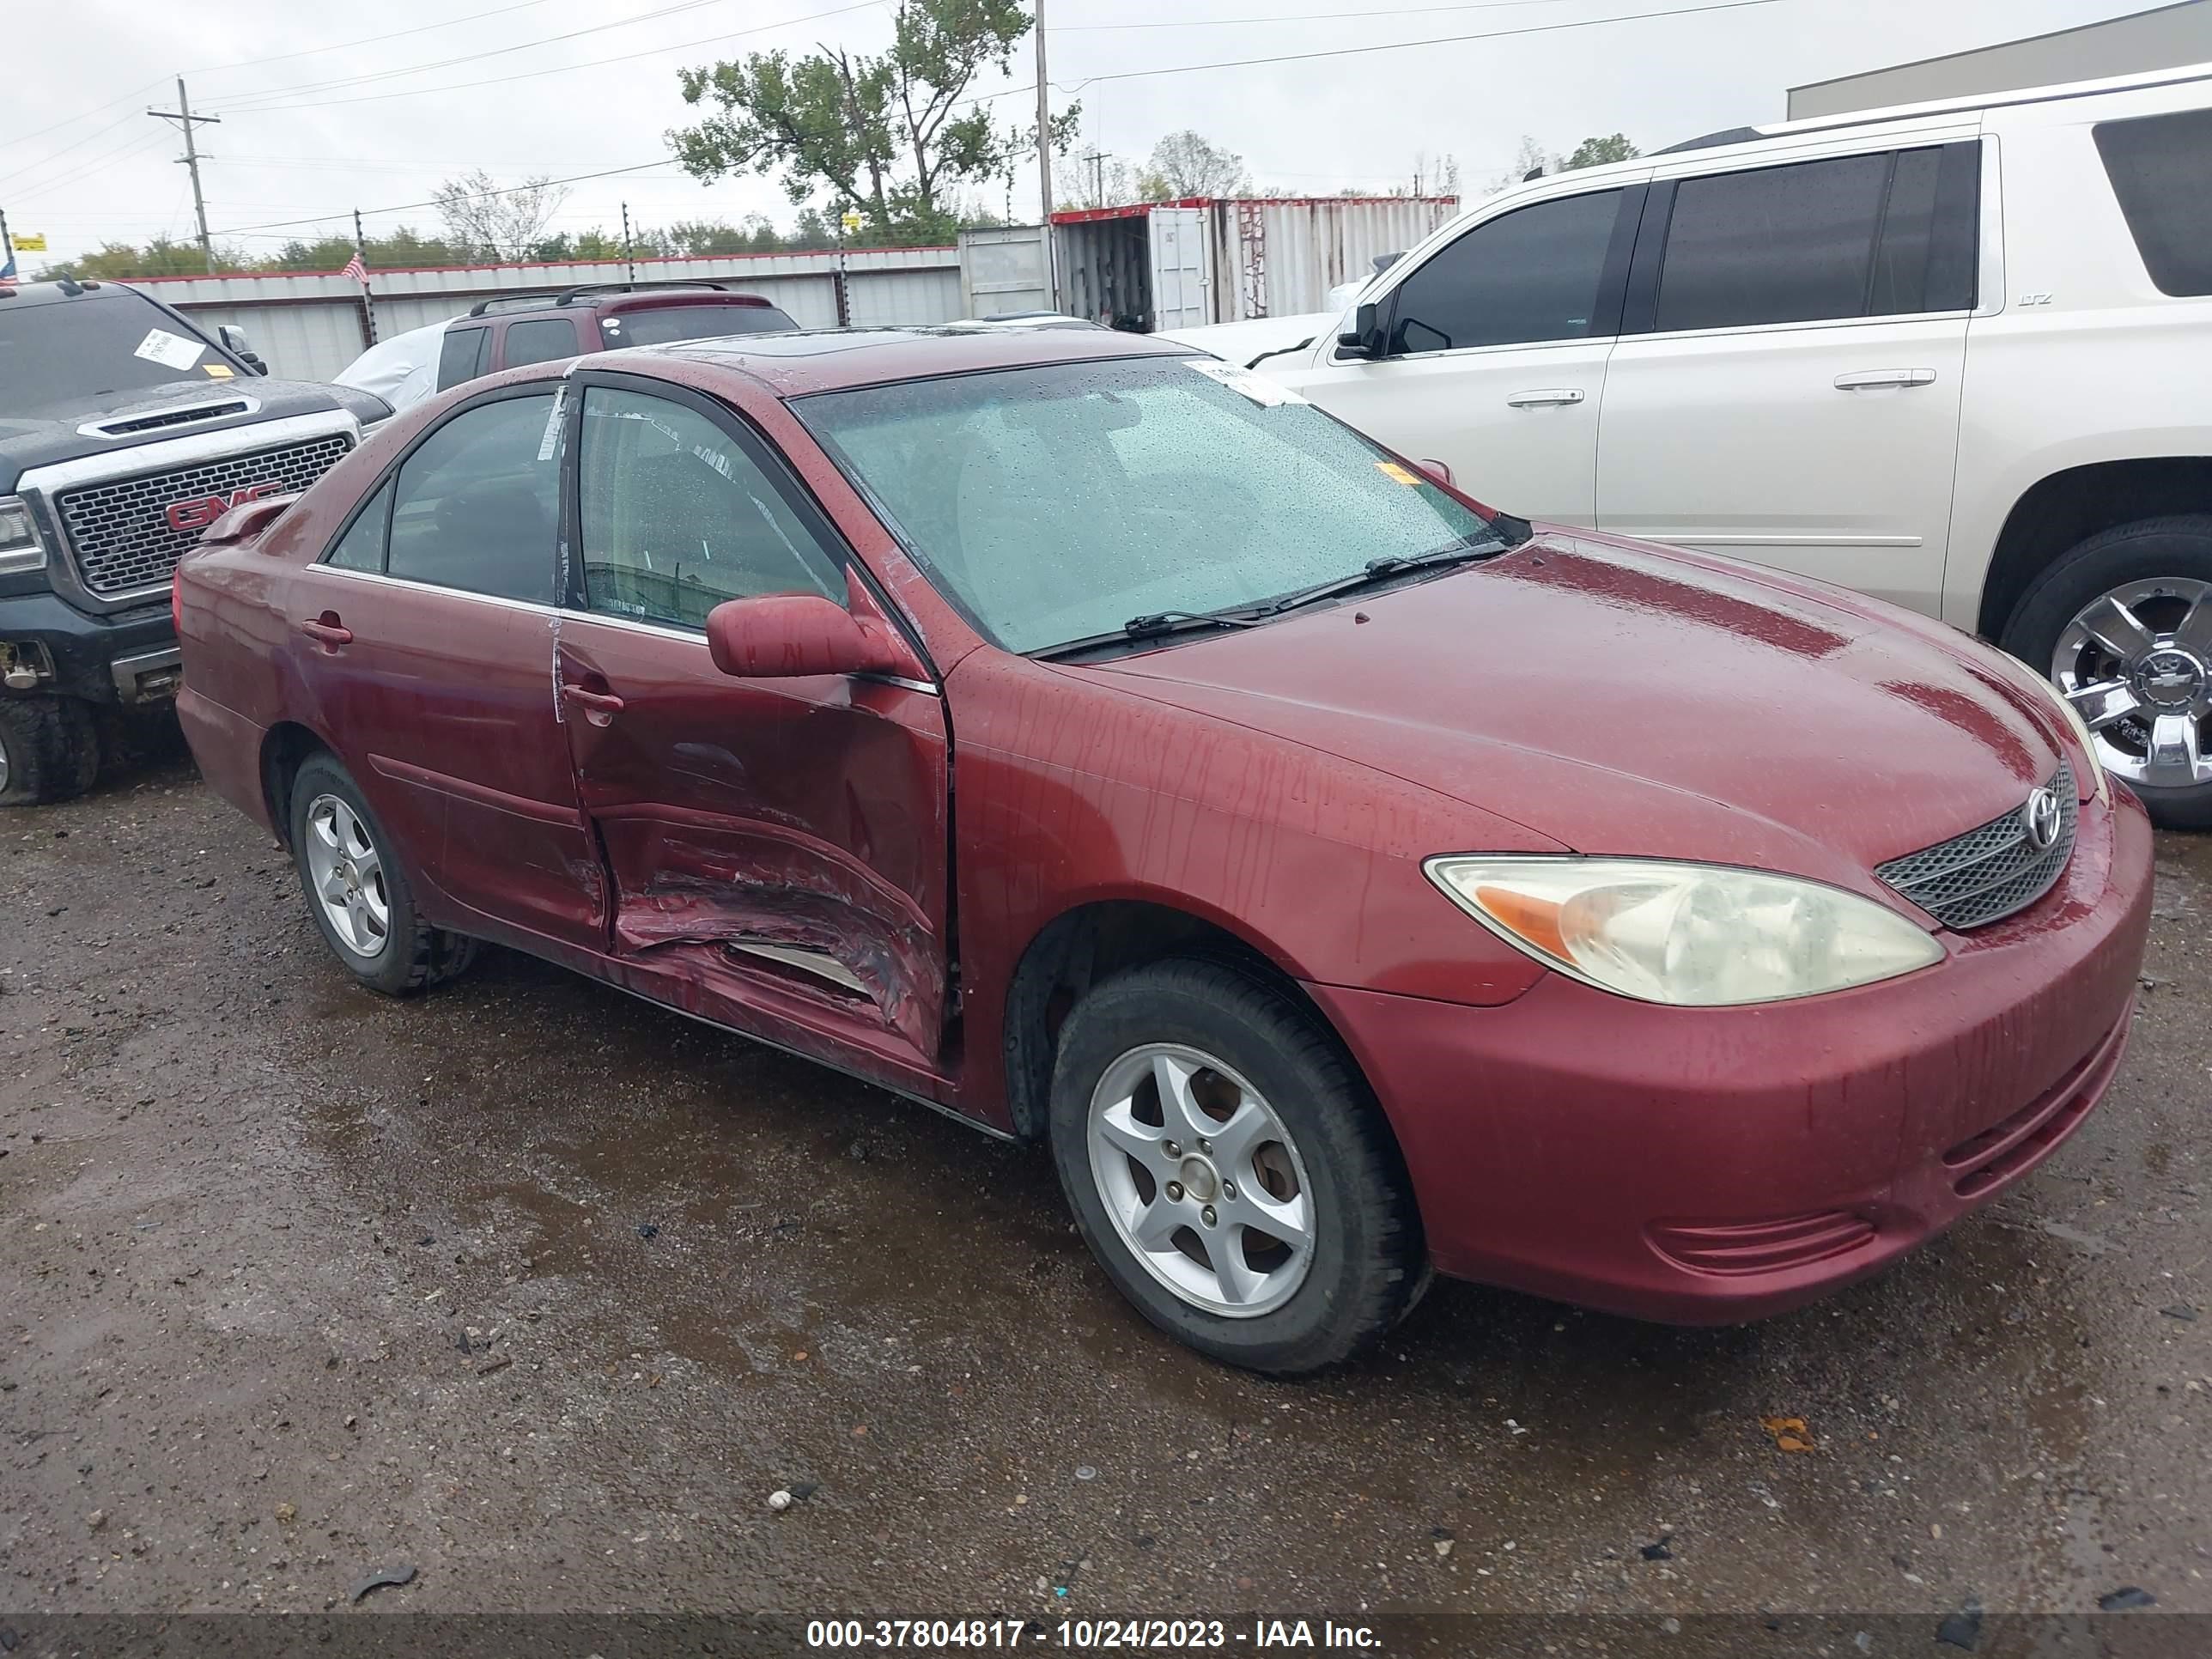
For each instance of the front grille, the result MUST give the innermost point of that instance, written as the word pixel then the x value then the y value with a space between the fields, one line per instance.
pixel 119 530
pixel 1988 873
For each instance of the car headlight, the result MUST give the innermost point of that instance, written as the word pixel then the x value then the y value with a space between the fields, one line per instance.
pixel 20 546
pixel 2073 717
pixel 1690 934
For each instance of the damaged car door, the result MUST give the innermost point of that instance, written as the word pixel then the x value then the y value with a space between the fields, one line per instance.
pixel 777 845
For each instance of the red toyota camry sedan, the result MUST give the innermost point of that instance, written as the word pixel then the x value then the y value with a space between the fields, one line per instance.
pixel 1085 737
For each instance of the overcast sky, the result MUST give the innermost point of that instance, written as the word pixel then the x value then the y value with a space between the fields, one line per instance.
pixel 80 161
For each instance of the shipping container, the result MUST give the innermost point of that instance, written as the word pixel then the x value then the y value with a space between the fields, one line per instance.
pixel 1183 264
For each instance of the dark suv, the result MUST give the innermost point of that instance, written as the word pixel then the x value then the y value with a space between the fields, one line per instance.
pixel 530 328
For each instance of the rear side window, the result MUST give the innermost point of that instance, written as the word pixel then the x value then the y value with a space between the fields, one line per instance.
pixel 1533 275
pixel 671 323
pixel 677 517
pixel 477 505
pixel 362 548
pixel 539 341
pixel 461 357
pixel 2161 167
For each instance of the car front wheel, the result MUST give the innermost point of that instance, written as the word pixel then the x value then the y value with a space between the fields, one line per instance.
pixel 357 891
pixel 1230 1170
pixel 2122 624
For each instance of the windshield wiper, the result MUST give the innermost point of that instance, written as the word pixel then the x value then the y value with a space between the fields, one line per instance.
pixel 1386 570
pixel 1157 624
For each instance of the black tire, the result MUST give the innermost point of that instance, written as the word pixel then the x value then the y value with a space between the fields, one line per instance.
pixel 51 750
pixel 1369 1262
pixel 414 955
pixel 2180 545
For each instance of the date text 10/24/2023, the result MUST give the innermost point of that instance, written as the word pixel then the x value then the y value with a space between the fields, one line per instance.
pixel 1085 1634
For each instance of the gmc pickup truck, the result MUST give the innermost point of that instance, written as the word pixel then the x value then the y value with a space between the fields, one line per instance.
pixel 125 431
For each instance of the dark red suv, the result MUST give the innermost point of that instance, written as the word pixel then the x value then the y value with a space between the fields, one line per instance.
pixel 534 328
pixel 1099 743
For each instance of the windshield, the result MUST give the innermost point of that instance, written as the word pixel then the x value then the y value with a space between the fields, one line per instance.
pixel 667 323
pixel 79 350
pixel 1053 504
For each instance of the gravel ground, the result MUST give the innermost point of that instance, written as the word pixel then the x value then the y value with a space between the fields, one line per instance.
pixel 543 1292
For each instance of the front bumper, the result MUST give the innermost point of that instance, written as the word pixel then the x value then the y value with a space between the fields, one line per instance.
pixel 1702 1166
pixel 130 656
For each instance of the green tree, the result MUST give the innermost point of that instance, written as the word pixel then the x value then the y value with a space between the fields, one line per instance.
pixel 1183 164
pixel 160 257
pixel 886 136
pixel 1596 152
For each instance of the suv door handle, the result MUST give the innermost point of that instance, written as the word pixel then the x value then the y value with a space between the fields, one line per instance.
pixel 598 707
pixel 1864 378
pixel 327 631
pixel 1557 394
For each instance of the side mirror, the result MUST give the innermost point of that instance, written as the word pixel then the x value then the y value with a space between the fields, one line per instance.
pixel 1365 337
pixel 235 342
pixel 787 635
pixel 1437 471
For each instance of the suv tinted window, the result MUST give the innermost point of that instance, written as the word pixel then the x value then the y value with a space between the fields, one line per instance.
pixel 1532 275
pixel 2161 167
pixel 1774 245
pixel 539 342
pixel 677 517
pixel 669 323
pixel 461 356
pixel 475 507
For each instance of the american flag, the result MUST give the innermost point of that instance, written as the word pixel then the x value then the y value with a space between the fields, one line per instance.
pixel 357 269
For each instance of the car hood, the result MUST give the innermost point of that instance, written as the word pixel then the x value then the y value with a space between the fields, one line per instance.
pixel 1256 337
pixel 39 436
pixel 1624 701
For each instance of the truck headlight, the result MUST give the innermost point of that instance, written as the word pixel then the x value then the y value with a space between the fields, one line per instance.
pixel 20 546
pixel 1690 934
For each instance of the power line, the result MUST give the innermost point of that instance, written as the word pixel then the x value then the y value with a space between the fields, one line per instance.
pixel 406 207
pixel 55 155
pixel 130 97
pixel 564 68
pixel 1402 45
pixel 369 40
pixel 1300 17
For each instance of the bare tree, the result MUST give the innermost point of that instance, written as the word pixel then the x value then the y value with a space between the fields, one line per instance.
pixel 1530 157
pixel 1184 164
pixel 495 221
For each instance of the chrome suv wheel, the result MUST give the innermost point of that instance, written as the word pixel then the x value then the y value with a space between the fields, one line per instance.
pixel 2136 663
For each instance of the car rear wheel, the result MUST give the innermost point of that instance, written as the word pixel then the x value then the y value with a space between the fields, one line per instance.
pixel 357 891
pixel 49 750
pixel 1229 1169
pixel 2122 624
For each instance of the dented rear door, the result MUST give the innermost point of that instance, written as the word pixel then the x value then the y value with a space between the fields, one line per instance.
pixel 780 844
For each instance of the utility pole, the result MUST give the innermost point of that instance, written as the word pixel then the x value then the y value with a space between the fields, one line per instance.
pixel 1098 159
pixel 183 116
pixel 629 259
pixel 367 298
pixel 1044 162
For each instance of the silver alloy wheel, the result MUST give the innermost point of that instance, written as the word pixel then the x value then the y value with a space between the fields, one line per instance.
pixel 1201 1180
pixel 346 872
pixel 2136 665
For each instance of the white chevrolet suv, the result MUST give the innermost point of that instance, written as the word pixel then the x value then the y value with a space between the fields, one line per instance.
pixel 1957 356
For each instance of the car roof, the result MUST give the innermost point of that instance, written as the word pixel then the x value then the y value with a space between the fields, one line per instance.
pixel 796 365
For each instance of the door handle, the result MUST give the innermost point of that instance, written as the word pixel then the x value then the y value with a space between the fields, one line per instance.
pixel 327 631
pixel 1864 379
pixel 1557 394
pixel 598 707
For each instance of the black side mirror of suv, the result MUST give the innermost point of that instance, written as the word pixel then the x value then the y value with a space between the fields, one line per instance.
pixel 1365 337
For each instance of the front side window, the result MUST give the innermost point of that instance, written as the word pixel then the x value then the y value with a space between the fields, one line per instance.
pixel 477 505
pixel 461 356
pixel 2161 167
pixel 540 341
pixel 677 517
pixel 1058 503
pixel 1535 274
pixel 1774 245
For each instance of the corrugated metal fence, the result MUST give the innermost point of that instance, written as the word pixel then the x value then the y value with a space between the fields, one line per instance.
pixel 309 327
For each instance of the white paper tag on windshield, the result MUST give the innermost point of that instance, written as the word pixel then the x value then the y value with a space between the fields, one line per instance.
pixel 170 350
pixel 1261 391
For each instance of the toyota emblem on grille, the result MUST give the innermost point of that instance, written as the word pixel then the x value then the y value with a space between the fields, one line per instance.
pixel 200 511
pixel 2041 819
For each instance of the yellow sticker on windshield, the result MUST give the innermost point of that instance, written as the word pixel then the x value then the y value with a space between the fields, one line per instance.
pixel 218 371
pixel 1391 469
